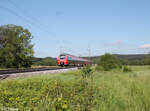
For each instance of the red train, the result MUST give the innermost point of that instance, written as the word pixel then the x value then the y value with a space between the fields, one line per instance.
pixel 68 60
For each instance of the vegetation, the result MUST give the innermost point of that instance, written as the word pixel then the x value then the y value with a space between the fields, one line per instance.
pixel 83 90
pixel 16 49
pixel 45 61
pixel 137 59
pixel 108 62
pixel 147 61
pixel 127 69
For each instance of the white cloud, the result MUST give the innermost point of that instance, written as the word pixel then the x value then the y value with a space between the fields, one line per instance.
pixel 145 46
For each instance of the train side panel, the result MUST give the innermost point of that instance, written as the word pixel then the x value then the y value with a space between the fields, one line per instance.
pixel 69 60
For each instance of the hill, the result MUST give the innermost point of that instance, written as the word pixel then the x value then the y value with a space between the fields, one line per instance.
pixel 134 59
pixel 47 61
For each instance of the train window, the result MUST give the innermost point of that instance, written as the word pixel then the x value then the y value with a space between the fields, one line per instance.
pixel 62 57
pixel 69 58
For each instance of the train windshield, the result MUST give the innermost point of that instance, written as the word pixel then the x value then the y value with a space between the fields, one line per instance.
pixel 62 57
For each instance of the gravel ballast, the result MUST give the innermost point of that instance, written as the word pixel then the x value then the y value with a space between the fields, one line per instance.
pixel 27 74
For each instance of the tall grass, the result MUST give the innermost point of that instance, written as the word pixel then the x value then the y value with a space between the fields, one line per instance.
pixel 85 90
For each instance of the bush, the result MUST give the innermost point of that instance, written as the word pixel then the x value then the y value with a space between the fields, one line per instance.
pixel 86 71
pixel 46 62
pixel 108 62
pixel 99 68
pixel 107 91
pixel 127 69
pixel 147 61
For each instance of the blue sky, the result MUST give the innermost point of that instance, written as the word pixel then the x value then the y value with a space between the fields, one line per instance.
pixel 75 26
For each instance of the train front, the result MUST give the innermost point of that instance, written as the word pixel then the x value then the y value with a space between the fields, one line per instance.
pixel 62 60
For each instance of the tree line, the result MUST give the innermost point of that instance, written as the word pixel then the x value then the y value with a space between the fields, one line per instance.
pixel 145 61
pixel 126 59
pixel 16 51
pixel 108 62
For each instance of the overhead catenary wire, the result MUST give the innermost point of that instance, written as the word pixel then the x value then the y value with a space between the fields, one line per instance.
pixel 33 19
pixel 15 14
pixel 25 12
pixel 28 21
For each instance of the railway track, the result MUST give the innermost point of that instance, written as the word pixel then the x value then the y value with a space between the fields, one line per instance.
pixel 32 71
pixel 20 72
pixel 12 71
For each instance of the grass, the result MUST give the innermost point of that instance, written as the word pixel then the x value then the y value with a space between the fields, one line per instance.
pixel 104 91
pixel 2 68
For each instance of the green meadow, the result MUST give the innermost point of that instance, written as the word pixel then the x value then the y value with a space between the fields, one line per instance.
pixel 79 91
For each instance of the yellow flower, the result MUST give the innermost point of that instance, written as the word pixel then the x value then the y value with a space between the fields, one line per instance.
pixel 64 106
pixel 11 99
pixel 59 99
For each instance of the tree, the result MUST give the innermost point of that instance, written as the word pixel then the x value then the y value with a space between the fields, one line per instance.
pixel 16 49
pixel 108 62
pixel 46 62
pixel 124 61
pixel 147 61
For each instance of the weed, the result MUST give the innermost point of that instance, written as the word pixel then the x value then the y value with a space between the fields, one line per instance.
pixel 83 90
pixel 127 69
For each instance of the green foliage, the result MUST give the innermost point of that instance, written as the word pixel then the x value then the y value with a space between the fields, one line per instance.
pixel 86 71
pixel 100 91
pixel 136 59
pixel 46 62
pixel 61 105
pixel 108 62
pixel 16 49
pixel 124 61
pixel 99 68
pixel 127 69
pixel 147 61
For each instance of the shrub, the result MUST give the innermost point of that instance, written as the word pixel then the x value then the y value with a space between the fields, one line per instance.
pixel 108 62
pixel 86 71
pixel 104 92
pixel 127 69
pixel 99 68
pixel 46 62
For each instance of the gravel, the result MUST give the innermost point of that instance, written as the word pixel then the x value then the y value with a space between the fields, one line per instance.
pixel 27 74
